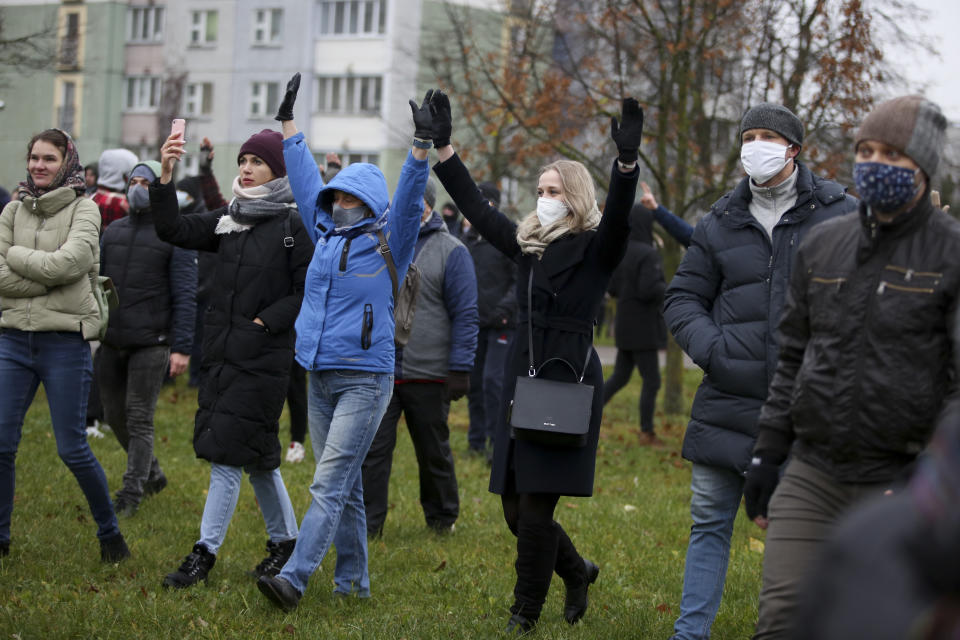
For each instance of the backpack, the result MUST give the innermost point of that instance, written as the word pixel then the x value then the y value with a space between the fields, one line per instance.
pixel 106 296
pixel 404 294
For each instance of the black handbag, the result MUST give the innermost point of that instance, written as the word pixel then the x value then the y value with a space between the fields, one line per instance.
pixel 549 411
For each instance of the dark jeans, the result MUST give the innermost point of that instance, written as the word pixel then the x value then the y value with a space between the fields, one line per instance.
pixel 130 382
pixel 61 361
pixel 486 385
pixel 648 364
pixel 94 406
pixel 297 402
pixel 542 548
pixel 425 408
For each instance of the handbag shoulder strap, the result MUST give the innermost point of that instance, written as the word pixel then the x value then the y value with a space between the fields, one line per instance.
pixel 532 371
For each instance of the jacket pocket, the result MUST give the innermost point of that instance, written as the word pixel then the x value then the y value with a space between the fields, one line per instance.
pixel 366 328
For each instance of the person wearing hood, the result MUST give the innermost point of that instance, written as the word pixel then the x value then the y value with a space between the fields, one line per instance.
pixel 49 262
pixel 262 253
pixel 115 166
pixel 432 370
pixel 639 330
pixel 345 334
pixel 149 336
pixel 866 353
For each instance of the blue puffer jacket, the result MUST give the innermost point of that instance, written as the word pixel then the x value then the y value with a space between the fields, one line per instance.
pixel 346 319
pixel 723 307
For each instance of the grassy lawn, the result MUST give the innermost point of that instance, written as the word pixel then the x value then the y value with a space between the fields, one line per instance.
pixel 458 586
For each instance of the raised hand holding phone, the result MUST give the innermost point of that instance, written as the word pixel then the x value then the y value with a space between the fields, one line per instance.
pixel 179 125
pixel 171 150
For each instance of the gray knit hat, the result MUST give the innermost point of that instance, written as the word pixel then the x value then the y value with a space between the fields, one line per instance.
pixel 430 193
pixel 775 117
pixel 913 125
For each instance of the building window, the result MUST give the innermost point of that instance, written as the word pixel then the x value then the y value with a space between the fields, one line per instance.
pixel 349 94
pixel 70 42
pixel 143 93
pixel 198 99
pixel 267 26
pixel 145 24
pixel 264 99
pixel 352 17
pixel 67 111
pixel 203 27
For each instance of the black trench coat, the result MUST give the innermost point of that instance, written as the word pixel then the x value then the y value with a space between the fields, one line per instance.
pixel 568 289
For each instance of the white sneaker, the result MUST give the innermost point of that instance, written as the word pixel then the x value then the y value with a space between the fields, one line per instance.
pixel 295 452
pixel 94 432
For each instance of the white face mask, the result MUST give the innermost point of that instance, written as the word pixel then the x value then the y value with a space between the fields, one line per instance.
pixel 762 159
pixel 550 210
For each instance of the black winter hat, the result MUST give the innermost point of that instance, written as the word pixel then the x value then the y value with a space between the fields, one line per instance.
pixel 775 117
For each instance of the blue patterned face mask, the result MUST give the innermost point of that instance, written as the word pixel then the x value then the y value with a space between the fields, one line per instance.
pixel 884 187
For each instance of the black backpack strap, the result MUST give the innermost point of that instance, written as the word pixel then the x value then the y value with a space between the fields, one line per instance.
pixel 287 230
pixel 384 250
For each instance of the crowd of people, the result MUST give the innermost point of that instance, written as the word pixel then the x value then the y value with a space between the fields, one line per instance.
pixel 825 326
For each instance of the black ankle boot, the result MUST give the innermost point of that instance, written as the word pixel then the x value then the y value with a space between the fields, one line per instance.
pixel 518 625
pixel 278 554
pixel 114 549
pixel 575 602
pixel 194 568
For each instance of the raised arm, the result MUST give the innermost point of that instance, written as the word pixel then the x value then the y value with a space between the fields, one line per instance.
pixel 196 231
pixel 677 227
pixel 489 222
pixel 212 198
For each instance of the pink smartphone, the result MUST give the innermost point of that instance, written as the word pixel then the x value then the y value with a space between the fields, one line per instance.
pixel 179 125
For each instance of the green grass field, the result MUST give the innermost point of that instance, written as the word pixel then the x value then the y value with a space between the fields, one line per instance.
pixel 424 586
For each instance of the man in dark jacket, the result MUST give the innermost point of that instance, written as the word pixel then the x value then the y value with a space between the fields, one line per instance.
pixel 866 352
pixel 723 307
pixel 639 331
pixel 496 315
pixel 149 336
pixel 431 370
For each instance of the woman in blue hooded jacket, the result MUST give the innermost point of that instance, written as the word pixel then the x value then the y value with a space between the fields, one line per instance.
pixel 345 336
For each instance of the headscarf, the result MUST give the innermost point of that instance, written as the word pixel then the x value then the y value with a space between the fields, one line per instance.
pixel 70 174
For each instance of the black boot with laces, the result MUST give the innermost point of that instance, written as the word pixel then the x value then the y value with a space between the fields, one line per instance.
pixel 195 568
pixel 279 553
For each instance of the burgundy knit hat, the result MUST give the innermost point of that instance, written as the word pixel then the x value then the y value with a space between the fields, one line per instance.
pixel 268 146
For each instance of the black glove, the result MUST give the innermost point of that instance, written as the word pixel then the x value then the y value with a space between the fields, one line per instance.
pixel 422 120
pixel 628 133
pixel 285 110
pixel 205 160
pixel 442 120
pixel 456 385
pixel 762 479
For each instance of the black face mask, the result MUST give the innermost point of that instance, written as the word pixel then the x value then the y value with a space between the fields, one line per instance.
pixel 348 217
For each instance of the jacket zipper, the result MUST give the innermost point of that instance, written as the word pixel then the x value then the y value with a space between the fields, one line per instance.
pixel 836 281
pixel 884 285
pixel 344 253
pixel 36 245
pixel 909 273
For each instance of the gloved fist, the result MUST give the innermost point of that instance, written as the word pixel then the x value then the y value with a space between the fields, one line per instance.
pixel 442 120
pixel 762 478
pixel 422 119
pixel 628 133
pixel 456 385
pixel 285 110
pixel 205 159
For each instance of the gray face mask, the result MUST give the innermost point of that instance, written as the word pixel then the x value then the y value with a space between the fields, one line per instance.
pixel 138 197
pixel 348 217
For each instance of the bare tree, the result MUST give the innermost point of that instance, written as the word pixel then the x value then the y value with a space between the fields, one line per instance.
pixel 27 52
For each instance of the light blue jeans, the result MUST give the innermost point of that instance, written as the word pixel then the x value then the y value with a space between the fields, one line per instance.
pixel 222 497
pixel 345 409
pixel 716 498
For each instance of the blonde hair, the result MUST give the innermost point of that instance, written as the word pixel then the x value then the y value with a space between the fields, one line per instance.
pixel 580 197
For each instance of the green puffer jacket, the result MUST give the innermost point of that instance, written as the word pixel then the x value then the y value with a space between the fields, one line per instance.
pixel 49 248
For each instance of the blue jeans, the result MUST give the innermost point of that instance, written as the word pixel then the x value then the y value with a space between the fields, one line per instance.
pixel 61 361
pixel 486 385
pixel 716 498
pixel 345 409
pixel 222 497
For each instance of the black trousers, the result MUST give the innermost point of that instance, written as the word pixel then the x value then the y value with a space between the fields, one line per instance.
pixel 297 402
pixel 647 363
pixel 542 548
pixel 425 408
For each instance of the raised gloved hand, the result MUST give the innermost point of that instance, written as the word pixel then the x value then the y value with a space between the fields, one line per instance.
pixel 761 479
pixel 442 120
pixel 285 110
pixel 422 119
pixel 456 385
pixel 205 159
pixel 628 133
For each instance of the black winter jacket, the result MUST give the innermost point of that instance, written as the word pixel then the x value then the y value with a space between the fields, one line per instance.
pixel 866 356
pixel 496 283
pixel 723 307
pixel 156 284
pixel 245 366
pixel 638 286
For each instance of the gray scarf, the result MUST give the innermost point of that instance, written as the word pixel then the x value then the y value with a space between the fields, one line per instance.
pixel 258 204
